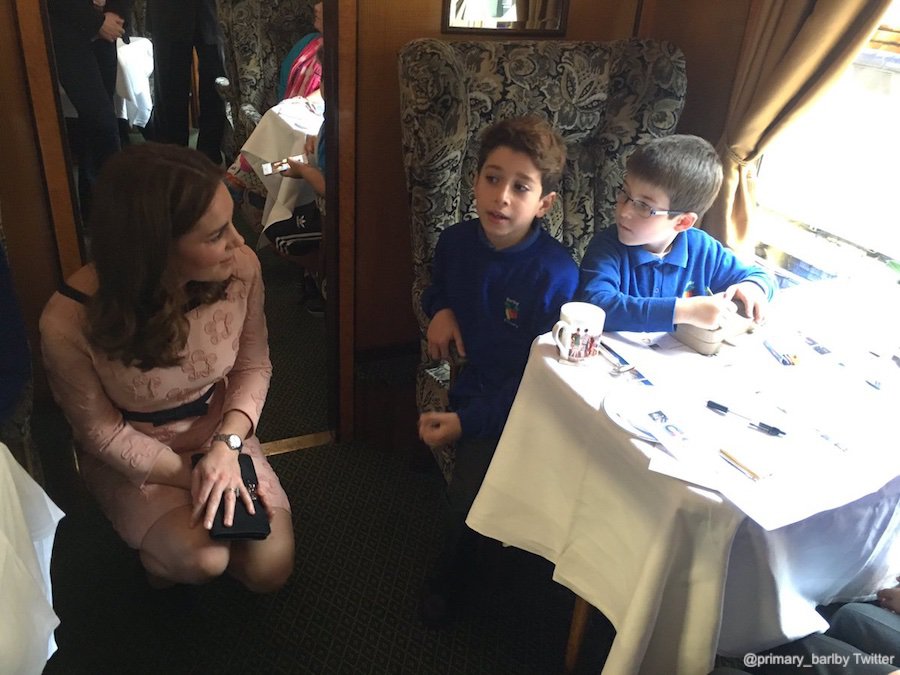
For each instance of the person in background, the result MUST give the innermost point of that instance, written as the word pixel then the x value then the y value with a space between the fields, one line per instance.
pixel 158 350
pixel 298 238
pixel 300 76
pixel 177 29
pixel 873 628
pixel 301 70
pixel 84 34
pixel 863 638
pixel 653 269
pixel 497 282
pixel 301 236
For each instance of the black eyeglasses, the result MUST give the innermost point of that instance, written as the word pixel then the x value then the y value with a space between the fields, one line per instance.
pixel 643 209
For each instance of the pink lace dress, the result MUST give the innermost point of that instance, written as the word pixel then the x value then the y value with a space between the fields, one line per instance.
pixel 227 350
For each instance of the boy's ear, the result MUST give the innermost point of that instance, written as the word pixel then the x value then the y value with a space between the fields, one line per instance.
pixel 685 221
pixel 545 204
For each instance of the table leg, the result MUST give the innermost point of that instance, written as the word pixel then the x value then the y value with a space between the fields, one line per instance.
pixel 580 615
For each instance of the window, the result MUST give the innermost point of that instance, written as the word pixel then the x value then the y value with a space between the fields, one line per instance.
pixel 828 188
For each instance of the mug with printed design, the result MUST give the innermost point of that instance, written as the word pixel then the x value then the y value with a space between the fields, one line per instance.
pixel 578 331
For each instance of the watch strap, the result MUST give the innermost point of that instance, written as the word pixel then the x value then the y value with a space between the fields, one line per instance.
pixel 233 441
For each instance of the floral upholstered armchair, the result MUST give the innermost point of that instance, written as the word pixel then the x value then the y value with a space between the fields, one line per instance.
pixel 605 98
pixel 258 35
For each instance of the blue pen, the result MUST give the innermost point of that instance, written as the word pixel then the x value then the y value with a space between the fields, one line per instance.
pixel 781 358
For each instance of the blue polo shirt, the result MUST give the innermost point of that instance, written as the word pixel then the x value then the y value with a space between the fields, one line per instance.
pixel 638 289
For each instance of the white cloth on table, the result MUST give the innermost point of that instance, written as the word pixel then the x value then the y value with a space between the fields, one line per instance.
pixel 840 555
pixel 568 484
pixel 653 553
pixel 281 133
pixel 28 520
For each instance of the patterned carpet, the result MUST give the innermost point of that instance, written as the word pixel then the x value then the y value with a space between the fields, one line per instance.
pixel 366 529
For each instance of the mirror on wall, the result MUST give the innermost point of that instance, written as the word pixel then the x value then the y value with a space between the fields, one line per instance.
pixel 513 17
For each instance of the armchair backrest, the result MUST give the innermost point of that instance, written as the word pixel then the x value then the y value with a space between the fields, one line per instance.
pixel 605 98
pixel 258 36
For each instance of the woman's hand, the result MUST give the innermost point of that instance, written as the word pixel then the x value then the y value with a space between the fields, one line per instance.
pixel 217 477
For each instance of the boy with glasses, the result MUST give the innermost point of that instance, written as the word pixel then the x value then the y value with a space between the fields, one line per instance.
pixel 654 269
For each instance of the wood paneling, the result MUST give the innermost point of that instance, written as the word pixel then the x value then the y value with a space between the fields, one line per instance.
pixel 710 35
pixel 383 265
pixel 34 185
pixel 342 202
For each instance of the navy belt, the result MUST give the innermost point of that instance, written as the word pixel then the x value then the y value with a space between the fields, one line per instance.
pixel 196 408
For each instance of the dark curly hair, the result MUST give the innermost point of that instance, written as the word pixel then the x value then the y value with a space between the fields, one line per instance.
pixel 533 136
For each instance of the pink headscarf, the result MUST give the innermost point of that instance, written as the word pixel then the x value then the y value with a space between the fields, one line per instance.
pixel 306 71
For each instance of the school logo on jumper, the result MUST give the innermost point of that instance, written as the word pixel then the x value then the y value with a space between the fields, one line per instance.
pixel 690 290
pixel 511 310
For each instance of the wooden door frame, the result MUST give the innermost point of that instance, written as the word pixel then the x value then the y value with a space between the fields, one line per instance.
pixel 33 31
pixel 340 89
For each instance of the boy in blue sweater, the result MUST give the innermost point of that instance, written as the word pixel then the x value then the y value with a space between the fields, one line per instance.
pixel 654 269
pixel 497 283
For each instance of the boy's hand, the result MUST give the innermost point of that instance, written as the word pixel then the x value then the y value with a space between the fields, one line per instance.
pixel 753 297
pixel 703 311
pixel 442 330
pixel 439 428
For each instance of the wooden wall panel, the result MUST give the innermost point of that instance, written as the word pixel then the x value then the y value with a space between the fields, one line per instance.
pixel 33 171
pixel 710 35
pixel 384 315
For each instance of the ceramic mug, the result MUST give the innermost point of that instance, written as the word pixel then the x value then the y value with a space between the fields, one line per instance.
pixel 577 333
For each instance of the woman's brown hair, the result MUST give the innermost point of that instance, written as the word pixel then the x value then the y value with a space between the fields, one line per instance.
pixel 146 197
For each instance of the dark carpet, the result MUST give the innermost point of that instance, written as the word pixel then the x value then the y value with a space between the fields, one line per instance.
pixel 366 528
pixel 297 402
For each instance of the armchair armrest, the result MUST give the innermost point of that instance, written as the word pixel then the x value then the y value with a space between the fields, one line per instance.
pixel 223 87
pixel 444 372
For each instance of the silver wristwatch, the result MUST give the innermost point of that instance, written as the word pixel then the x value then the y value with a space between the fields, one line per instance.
pixel 233 441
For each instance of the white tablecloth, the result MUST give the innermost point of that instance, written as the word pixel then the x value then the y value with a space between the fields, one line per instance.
pixel 28 520
pixel 282 133
pixel 661 558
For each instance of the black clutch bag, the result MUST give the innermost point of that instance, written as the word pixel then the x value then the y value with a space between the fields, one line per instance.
pixel 244 526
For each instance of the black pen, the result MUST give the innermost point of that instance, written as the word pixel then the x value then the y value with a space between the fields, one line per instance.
pixel 759 426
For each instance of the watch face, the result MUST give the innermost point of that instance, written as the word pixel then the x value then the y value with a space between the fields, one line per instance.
pixel 233 441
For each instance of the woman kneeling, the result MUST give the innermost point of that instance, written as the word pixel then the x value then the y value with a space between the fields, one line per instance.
pixel 158 350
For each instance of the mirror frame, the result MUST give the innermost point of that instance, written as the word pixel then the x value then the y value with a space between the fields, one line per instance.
pixel 499 32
